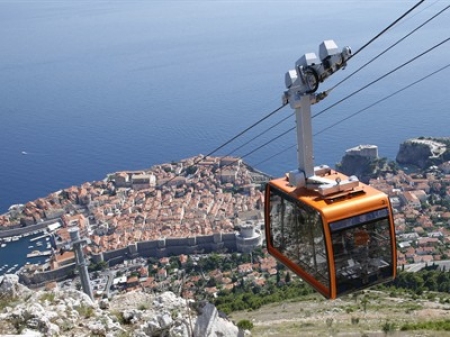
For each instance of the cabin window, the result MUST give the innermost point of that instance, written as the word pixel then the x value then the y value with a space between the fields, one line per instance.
pixel 362 251
pixel 296 231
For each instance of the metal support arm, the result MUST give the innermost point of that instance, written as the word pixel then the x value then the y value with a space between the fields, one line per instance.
pixel 302 84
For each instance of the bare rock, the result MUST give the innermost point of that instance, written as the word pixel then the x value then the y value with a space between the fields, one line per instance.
pixel 210 324
pixel 10 286
pixel 103 304
pixel 62 313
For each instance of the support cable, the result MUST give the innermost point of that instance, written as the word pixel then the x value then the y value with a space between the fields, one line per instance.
pixel 387 28
pixel 259 135
pixel 383 99
pixel 382 77
pixel 389 48
pixel 276 110
pixel 228 142
pixel 261 146
pixel 360 111
pixel 246 130
pixel 364 87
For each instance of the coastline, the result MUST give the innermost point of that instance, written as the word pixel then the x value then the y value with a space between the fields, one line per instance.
pixel 407 156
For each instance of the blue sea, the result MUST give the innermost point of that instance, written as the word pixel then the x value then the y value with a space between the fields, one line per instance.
pixel 93 87
pixel 13 254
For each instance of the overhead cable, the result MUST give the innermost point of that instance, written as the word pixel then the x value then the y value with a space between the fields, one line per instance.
pixel 364 87
pixel 383 76
pixel 275 155
pixel 259 135
pixel 389 48
pixel 246 130
pixel 261 146
pixel 387 28
pixel 417 13
pixel 383 99
pixel 229 141
pixel 359 111
pixel 268 142
pixel 354 54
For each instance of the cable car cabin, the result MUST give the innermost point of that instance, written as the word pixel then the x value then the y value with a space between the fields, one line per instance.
pixel 339 243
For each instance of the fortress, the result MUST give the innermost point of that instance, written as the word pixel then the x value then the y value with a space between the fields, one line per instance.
pixel 369 151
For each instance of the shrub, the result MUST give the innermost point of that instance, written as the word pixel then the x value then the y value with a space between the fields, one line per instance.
pixel 245 324
pixel 388 327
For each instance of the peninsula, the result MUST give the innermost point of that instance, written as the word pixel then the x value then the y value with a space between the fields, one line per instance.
pixel 200 204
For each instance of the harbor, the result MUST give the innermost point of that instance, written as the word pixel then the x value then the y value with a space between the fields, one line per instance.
pixel 32 248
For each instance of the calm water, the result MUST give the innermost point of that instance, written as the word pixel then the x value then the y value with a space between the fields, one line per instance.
pixel 92 87
pixel 13 255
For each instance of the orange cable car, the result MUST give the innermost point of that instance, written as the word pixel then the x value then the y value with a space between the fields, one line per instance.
pixel 333 231
pixel 339 243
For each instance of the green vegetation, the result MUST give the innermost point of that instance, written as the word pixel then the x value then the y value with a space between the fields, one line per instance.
pixel 102 265
pixel 388 327
pixel 441 325
pixel 142 307
pixel 245 324
pixel 428 279
pixel 48 296
pixel 191 169
pixel 247 297
pixel 85 311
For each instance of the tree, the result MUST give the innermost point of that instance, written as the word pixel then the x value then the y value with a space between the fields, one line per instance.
pixel 388 327
pixel 245 324
pixel 191 169
pixel 211 282
pixel 287 279
pixel 364 302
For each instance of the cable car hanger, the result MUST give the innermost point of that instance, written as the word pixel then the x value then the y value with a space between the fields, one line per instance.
pixel 302 83
pixel 333 231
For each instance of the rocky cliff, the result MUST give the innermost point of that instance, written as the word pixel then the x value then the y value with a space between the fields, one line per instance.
pixel 362 167
pixel 422 152
pixel 73 313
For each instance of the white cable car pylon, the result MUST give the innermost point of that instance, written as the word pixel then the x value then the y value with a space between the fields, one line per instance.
pixel 302 84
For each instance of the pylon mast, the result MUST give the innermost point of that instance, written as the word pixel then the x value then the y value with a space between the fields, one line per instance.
pixel 81 263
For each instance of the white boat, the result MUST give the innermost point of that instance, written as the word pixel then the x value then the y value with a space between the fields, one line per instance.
pixel 39 243
pixel 3 245
pixel 30 247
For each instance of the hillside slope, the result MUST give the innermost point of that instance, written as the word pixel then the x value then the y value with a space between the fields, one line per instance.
pixel 370 314
pixel 73 313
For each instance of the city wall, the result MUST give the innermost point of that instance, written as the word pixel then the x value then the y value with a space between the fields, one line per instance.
pixel 39 279
pixel 170 246
pixel 5 233
pixel 156 248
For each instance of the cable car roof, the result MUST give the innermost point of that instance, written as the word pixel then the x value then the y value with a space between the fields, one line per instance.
pixel 361 199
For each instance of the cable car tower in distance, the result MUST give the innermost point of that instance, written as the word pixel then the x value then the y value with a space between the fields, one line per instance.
pixel 333 231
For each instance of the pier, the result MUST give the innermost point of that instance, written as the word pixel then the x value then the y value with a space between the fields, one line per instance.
pixel 39 253
pixel 39 237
